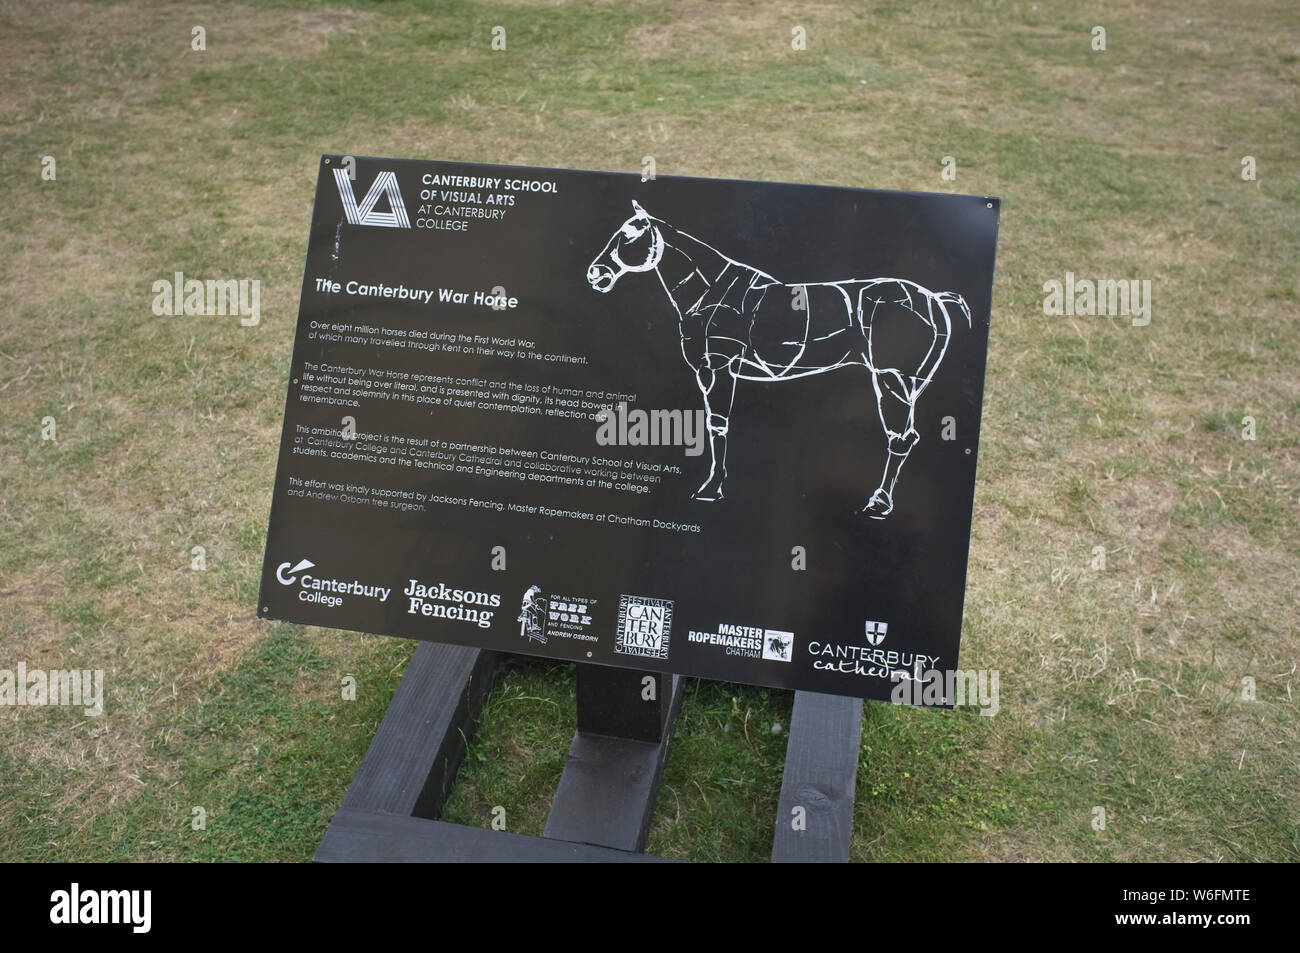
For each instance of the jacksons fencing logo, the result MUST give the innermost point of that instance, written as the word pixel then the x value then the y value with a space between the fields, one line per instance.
pixel 438 601
pixel 747 641
pixel 643 626
pixel 956 687
pixel 72 687
pixel 328 592
pixel 75 906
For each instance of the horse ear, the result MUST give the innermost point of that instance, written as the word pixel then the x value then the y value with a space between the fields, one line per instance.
pixel 636 206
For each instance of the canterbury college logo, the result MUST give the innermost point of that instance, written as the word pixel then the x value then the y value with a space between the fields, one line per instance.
pixel 287 575
pixel 385 184
pixel 326 592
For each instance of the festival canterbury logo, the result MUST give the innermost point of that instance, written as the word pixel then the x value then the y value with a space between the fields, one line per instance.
pixel 643 626
pixel 385 184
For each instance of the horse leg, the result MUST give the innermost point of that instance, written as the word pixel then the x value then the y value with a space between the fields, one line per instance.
pixel 895 404
pixel 717 381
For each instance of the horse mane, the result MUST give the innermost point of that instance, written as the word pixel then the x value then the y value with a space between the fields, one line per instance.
pixel 707 260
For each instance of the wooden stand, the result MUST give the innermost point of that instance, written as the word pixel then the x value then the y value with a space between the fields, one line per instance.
pixel 606 796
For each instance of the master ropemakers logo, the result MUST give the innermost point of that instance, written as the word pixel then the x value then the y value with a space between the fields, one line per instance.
pixel 643 626
pixel 778 646
pixel 325 591
pixel 747 641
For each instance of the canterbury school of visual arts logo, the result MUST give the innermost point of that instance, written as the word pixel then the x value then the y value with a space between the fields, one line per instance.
pixel 643 626
pixel 365 213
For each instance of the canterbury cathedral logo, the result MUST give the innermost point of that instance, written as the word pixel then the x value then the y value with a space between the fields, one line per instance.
pixel 875 631
pixel 364 214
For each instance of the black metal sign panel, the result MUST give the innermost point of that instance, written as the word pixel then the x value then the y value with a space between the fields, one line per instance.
pixel 725 429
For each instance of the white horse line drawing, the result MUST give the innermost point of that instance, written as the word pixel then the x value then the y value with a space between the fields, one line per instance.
pixel 739 323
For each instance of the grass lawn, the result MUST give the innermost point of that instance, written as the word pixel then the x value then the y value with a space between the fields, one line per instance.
pixel 1124 688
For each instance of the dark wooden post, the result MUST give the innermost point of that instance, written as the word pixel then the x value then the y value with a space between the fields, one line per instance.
pixel 607 792
pixel 412 760
pixel 622 703
pixel 814 820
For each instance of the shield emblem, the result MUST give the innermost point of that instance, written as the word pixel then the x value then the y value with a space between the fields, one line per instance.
pixel 875 631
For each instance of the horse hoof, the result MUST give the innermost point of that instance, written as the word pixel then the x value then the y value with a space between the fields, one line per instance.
pixel 879 506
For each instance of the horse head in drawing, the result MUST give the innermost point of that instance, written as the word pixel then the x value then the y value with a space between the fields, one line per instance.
pixel 637 246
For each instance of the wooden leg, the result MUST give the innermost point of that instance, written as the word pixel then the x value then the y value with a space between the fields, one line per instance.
pixel 815 818
pixel 417 748
pixel 611 780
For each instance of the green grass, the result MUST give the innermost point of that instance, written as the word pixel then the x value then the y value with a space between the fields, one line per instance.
pixel 1120 689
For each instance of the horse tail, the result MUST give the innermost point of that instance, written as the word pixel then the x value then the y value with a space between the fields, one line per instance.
pixel 932 359
pixel 947 297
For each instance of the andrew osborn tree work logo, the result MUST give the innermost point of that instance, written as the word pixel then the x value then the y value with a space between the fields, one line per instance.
pixel 364 214
pixel 532 615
